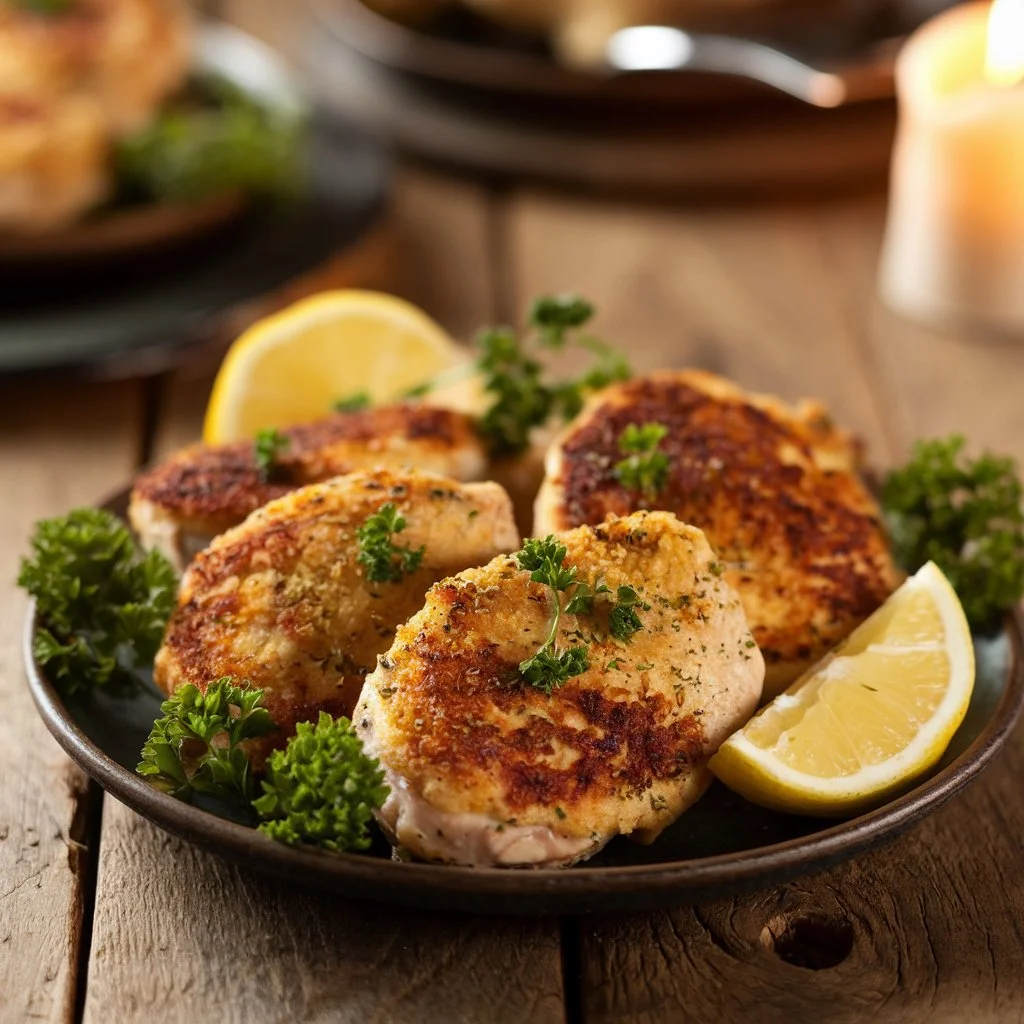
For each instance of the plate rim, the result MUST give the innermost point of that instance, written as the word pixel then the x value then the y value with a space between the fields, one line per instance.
pixel 407 49
pixel 538 890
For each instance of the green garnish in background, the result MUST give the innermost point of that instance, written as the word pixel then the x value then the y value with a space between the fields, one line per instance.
pixel 219 139
pixel 322 789
pixel 196 746
pixel 101 605
pixel 965 515
pixel 385 561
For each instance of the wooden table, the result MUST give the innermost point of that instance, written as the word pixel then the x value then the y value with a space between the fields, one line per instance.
pixel 105 918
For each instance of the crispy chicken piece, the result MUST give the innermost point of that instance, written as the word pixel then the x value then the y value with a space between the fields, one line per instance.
pixel 127 56
pixel 179 506
pixel 283 601
pixel 487 770
pixel 774 488
pixel 54 162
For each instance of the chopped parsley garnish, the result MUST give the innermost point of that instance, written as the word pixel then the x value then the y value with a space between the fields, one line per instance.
pixel 965 515
pixel 322 789
pixel 353 403
pixel 196 747
pixel 552 666
pixel 644 468
pixel 101 605
pixel 623 620
pixel 385 561
pixel 268 447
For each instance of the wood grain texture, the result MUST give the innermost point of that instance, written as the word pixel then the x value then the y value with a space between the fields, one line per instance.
pixel 745 291
pixel 783 299
pixel 59 447
pixel 184 937
pixel 933 925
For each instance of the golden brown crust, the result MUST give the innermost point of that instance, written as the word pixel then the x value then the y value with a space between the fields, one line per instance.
pixel 208 489
pixel 773 488
pixel 612 750
pixel 282 601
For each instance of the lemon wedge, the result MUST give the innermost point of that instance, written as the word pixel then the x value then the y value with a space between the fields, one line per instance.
pixel 291 367
pixel 869 717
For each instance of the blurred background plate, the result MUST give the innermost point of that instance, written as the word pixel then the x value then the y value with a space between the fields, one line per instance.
pixel 133 290
pixel 465 93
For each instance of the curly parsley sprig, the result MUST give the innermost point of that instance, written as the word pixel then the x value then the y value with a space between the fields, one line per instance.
pixel 102 606
pixel 322 789
pixel 966 516
pixel 551 666
pixel 522 396
pixel 644 469
pixel 385 561
pixel 196 747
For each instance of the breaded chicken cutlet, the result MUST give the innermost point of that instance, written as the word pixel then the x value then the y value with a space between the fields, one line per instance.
pixel 774 488
pixel 179 506
pixel 487 770
pixel 284 601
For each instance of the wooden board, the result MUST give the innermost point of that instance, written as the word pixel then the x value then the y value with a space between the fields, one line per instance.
pixel 55 453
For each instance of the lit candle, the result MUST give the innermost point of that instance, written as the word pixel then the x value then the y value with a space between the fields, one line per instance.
pixel 954 247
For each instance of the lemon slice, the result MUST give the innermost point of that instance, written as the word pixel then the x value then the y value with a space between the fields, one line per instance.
pixel 291 367
pixel 869 717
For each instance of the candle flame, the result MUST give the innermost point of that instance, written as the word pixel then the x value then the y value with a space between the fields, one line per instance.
pixel 1005 62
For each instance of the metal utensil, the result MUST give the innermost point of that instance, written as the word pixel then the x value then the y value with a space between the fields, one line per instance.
pixel 665 48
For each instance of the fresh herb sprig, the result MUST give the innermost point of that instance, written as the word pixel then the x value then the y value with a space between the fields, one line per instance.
pixel 268 447
pixel 385 561
pixel 196 747
pixel 644 469
pixel 102 606
pixel 966 516
pixel 322 789
pixel 522 395
pixel 551 666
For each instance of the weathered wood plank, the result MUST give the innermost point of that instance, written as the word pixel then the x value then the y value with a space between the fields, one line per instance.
pixel 783 299
pixel 182 935
pixel 60 446
pixel 745 291
pixel 178 932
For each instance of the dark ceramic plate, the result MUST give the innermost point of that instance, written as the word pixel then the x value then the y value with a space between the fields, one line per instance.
pixel 722 845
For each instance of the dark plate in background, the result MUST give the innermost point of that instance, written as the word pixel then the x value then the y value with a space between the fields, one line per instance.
pixel 460 49
pixel 722 845
pixel 133 291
